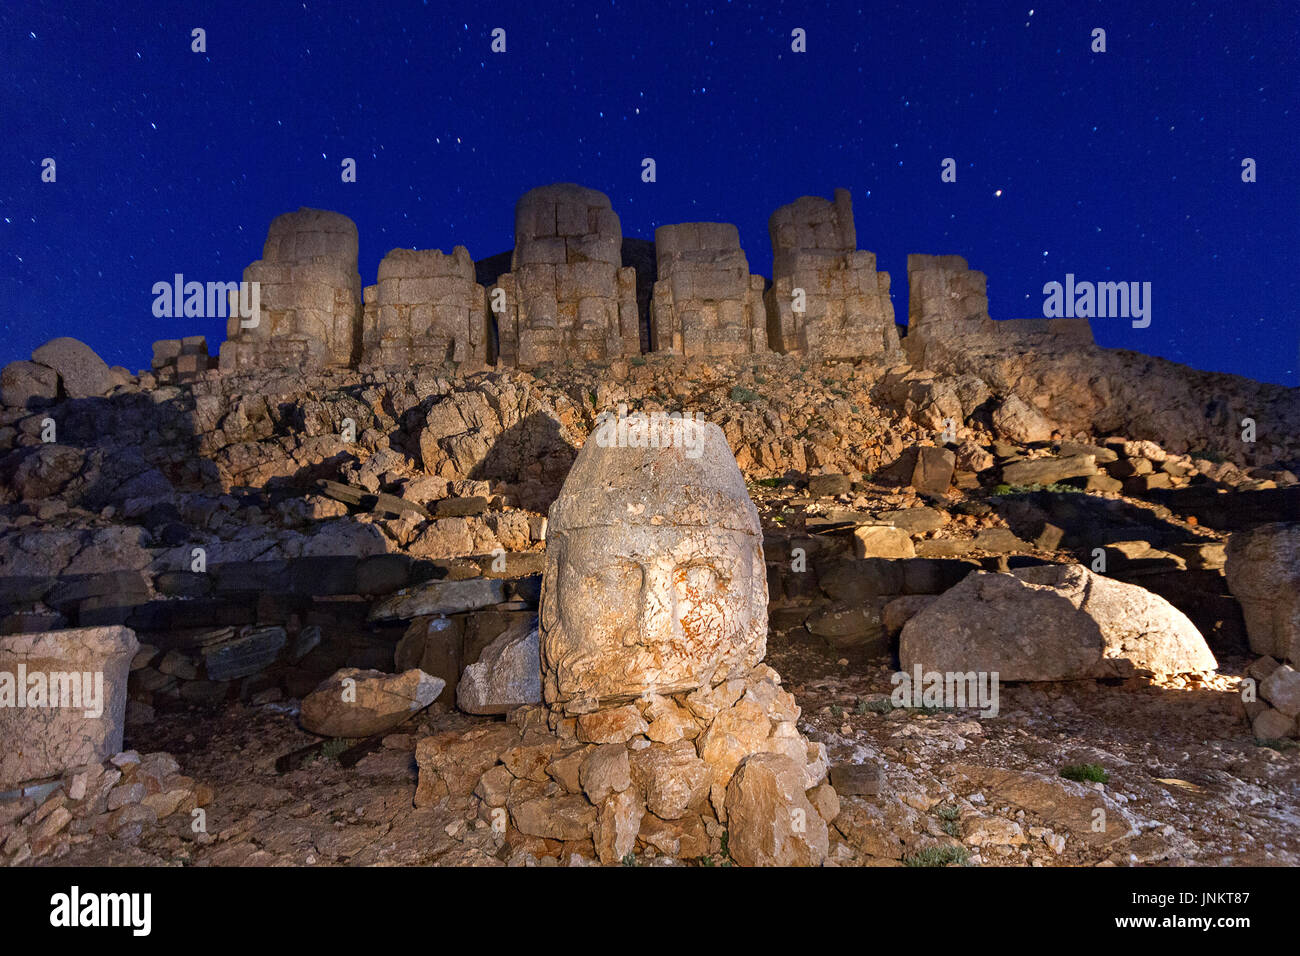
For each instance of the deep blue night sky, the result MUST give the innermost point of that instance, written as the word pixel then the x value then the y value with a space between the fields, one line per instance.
pixel 1117 166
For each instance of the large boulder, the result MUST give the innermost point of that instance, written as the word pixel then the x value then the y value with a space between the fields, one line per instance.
pixel 1263 572
pixel 1052 622
pixel 83 373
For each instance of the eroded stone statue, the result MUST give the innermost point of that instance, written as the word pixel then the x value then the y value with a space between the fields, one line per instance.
pixel 655 580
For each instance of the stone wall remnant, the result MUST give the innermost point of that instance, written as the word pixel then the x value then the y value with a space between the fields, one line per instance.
pixel 706 304
pixel 945 295
pixel 180 360
pixel 426 309
pixel 827 298
pixel 310 297
pixel 566 295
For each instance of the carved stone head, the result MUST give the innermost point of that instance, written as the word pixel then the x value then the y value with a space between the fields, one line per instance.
pixel 655 579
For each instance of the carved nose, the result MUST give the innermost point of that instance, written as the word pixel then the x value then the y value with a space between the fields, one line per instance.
pixel 657 605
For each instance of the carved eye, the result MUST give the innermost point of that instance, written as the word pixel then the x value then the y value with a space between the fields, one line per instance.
pixel 700 580
pixel 616 579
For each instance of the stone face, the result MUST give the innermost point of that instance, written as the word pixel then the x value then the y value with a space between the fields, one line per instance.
pixel 310 303
pixel 1053 622
pixel 770 820
pixel 26 384
pixel 358 703
pixel 705 304
pixel 566 295
pixel 847 312
pixel 426 309
pixel 1263 573
pixel 655 576
pixel 82 373
pixel 506 675
pixel 53 667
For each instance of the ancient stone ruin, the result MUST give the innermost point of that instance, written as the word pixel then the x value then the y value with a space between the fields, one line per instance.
pixel 566 295
pixel 310 291
pixel 706 304
pixel 842 307
pixel 495 563
pixel 426 310
pixel 662 727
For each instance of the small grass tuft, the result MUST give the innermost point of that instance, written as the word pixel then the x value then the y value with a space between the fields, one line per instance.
pixel 1085 773
pixel 939 856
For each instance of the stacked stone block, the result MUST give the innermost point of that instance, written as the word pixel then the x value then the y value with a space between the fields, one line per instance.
pixel 180 360
pixel 426 309
pixel 310 314
pixel 566 295
pixel 846 310
pixel 946 296
pixel 706 304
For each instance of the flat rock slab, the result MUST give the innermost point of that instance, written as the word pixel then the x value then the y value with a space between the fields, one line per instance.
pixel 440 597
pixel 1046 471
pixel 1090 815
pixel 857 779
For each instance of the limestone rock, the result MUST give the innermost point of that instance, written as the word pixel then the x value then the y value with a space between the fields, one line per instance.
pixel 617 825
pixel 605 771
pixel 568 817
pixel 1059 803
pixel 672 779
pixel 506 675
pixel 358 703
pixel 27 384
pixel 933 472
pixel 82 373
pixel 882 541
pixel 1263 573
pixel 770 819
pixel 1018 421
pixel 1281 688
pixel 1046 471
pixel 1053 622
pixel 439 597
pixel 87 725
